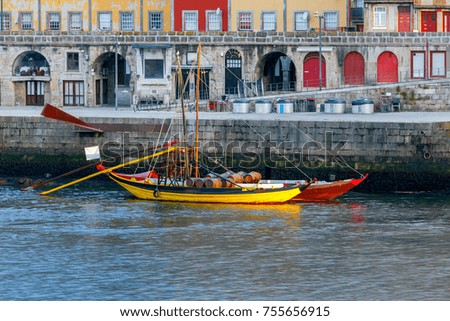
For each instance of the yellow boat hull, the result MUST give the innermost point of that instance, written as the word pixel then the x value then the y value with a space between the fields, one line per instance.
pixel 153 192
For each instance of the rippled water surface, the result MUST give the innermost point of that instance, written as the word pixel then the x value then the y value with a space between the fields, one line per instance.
pixel 91 243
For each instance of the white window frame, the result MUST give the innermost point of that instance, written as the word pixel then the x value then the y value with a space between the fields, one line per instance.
pixel 104 20
pixel 437 62
pixel 6 20
pixel 53 21
pixel 244 22
pixel 213 21
pixel 331 20
pixel 418 65
pixel 190 20
pixel 299 21
pixel 75 21
pixel 126 20
pixel 379 17
pixel 153 14
pixel 268 21
pixel 28 22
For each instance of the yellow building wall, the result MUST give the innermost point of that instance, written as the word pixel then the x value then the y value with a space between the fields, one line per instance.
pixel 115 7
pixel 257 7
pixel 291 5
pixel 64 7
pixel 163 5
pixel 15 7
pixel 317 5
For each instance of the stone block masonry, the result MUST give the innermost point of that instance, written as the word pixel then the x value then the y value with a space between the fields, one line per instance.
pixel 401 151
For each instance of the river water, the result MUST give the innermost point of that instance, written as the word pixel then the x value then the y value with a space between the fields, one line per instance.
pixel 94 242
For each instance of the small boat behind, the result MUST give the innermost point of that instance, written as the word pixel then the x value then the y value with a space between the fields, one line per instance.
pixel 322 190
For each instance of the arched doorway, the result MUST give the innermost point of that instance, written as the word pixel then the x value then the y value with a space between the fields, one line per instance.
pixel 277 73
pixel 105 80
pixel 387 67
pixel 354 68
pixel 233 71
pixel 31 77
pixel 311 73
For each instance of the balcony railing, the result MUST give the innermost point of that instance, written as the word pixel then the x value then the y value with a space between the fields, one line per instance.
pixel 32 71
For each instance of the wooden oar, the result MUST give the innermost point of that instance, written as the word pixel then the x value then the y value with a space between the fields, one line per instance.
pixel 109 159
pixel 59 176
pixel 108 170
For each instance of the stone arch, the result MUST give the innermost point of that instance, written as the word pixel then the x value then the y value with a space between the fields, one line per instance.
pixel 104 71
pixel 31 63
pixel 278 72
pixel 31 79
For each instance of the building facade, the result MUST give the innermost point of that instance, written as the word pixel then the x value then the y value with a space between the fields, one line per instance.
pixel 95 53
pixel 287 15
pixel 407 15
pixel 198 15
pixel 77 16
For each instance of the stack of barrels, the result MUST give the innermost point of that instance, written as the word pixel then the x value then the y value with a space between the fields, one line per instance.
pixel 227 179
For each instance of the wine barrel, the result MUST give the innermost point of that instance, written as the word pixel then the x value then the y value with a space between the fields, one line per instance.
pixel 226 182
pixel 200 182
pixel 253 177
pixel 237 178
pixel 213 182
pixel 190 182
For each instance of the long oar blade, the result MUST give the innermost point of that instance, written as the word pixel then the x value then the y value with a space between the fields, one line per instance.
pixel 108 170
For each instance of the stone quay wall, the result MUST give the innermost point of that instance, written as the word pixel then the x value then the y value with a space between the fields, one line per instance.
pixel 397 155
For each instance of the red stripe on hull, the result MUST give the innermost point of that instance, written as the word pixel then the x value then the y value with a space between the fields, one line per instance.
pixel 324 192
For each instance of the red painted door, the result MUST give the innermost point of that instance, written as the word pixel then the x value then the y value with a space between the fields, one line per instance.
pixel 429 21
pixel 404 19
pixel 311 71
pixel 387 67
pixel 354 69
pixel 446 21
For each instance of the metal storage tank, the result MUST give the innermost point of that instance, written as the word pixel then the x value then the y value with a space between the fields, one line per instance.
pixel 362 106
pixel 284 106
pixel 241 106
pixel 263 106
pixel 335 106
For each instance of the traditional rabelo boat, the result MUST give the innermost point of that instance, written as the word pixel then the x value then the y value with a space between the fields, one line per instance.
pixel 317 191
pixel 161 188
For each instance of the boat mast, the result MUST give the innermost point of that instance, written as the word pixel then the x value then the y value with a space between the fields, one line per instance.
pixel 183 113
pixel 197 98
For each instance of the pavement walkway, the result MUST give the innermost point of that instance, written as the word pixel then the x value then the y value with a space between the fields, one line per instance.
pixel 127 112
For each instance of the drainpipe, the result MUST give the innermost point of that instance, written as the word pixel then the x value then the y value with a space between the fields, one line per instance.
pixel 285 16
pixel 39 16
pixel 90 15
pixel 141 13
pixel 230 28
